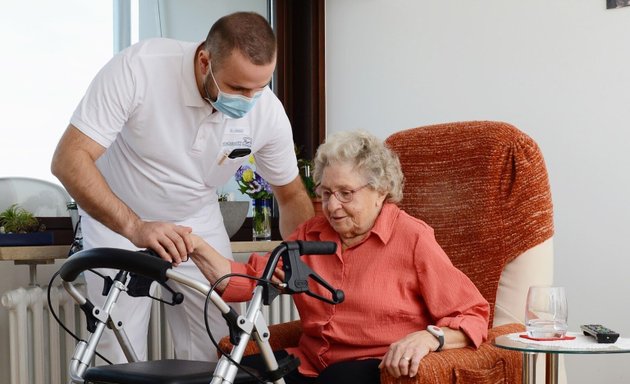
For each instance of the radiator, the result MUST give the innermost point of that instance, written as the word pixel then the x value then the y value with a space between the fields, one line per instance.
pixel 40 350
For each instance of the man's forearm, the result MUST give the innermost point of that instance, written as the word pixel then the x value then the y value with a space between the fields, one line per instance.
pixel 294 206
pixel 76 170
pixel 94 196
pixel 297 211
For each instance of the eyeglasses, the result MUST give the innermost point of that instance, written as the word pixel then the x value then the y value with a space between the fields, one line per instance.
pixel 342 195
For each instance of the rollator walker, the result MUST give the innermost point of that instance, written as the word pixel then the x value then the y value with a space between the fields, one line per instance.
pixel 241 328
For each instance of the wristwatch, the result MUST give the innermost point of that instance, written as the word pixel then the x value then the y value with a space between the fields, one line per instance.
pixel 438 333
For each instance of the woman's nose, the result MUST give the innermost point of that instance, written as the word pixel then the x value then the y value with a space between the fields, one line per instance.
pixel 333 203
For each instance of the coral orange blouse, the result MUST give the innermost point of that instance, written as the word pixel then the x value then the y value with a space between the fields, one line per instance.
pixel 397 281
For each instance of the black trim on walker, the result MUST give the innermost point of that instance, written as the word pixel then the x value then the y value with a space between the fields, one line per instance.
pixel 286 365
pixel 231 318
pixel 140 263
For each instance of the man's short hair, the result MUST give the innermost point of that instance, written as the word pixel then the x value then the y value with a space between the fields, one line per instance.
pixel 248 32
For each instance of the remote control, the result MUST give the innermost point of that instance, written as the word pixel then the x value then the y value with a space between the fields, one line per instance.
pixel 600 333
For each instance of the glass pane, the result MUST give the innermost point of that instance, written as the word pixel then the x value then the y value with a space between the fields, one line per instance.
pixel 51 51
pixel 189 20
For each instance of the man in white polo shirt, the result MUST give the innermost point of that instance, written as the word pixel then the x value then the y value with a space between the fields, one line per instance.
pixel 161 126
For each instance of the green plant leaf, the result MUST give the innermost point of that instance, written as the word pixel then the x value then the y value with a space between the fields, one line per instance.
pixel 16 219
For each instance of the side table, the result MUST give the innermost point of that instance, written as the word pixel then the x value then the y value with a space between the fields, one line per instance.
pixel 530 349
pixel 33 256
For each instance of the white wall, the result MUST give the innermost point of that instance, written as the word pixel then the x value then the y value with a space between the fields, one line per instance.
pixel 558 70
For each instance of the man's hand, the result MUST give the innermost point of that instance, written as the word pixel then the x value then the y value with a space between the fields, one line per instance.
pixel 172 242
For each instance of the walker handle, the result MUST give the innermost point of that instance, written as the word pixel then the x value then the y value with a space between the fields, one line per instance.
pixel 139 262
pixel 317 247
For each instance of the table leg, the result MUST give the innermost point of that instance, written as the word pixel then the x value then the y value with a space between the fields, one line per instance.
pixel 551 368
pixel 529 367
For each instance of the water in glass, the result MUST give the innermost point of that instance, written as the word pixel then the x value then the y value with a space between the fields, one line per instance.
pixel 546 312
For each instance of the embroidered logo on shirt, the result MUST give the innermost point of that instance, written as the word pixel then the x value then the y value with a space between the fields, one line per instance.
pixel 245 141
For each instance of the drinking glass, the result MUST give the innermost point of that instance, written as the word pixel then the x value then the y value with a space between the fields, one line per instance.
pixel 546 312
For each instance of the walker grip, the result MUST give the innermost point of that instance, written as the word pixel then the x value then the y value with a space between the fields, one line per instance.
pixel 140 263
pixel 317 247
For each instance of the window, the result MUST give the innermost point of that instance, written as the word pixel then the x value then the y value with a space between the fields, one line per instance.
pixel 51 51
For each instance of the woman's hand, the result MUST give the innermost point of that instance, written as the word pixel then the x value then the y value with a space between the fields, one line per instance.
pixel 278 275
pixel 210 262
pixel 403 357
pixel 214 266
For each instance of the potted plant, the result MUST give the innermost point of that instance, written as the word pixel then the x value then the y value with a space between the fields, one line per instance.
pixel 20 227
pixel 233 212
pixel 306 167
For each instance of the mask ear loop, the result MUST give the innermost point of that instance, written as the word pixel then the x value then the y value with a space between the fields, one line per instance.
pixel 205 85
pixel 207 98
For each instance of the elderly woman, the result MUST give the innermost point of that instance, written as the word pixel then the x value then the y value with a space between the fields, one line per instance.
pixel 404 298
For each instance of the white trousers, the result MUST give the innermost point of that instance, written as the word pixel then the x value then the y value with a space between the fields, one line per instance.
pixel 190 339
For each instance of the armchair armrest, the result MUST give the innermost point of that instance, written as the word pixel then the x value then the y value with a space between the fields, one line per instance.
pixel 285 335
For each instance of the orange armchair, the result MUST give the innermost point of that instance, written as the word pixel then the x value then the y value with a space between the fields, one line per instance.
pixel 483 187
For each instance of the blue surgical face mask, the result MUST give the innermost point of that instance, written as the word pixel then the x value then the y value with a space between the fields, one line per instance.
pixel 234 106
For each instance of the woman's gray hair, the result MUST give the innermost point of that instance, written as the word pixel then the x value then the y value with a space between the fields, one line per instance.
pixel 370 157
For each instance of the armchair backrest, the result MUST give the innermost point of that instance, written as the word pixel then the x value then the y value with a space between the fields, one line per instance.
pixel 483 187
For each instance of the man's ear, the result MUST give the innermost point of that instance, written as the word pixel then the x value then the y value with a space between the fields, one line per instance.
pixel 204 61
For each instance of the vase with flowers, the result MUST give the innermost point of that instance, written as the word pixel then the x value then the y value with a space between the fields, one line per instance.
pixel 250 183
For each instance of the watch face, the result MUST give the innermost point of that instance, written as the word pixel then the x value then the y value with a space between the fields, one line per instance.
pixel 434 330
